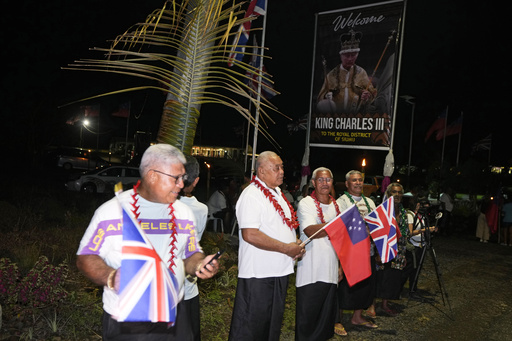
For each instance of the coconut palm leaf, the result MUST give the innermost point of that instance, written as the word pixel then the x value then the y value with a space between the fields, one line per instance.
pixel 183 49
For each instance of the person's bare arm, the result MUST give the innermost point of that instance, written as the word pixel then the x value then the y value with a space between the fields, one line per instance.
pixel 312 229
pixel 94 268
pixel 260 240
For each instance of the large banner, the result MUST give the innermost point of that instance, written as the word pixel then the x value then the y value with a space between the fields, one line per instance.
pixel 355 75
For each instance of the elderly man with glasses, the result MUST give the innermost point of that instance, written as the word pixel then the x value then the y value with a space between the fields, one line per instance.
pixel 318 271
pixel 167 223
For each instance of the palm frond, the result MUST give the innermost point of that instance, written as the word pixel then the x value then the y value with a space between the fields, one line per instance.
pixel 183 49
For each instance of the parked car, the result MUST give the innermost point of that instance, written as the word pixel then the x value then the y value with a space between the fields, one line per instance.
pixel 79 159
pixel 103 180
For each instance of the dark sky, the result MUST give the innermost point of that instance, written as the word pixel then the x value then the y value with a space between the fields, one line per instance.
pixel 454 55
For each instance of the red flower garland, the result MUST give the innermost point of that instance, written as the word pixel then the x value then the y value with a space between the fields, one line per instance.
pixel 172 222
pixel 319 209
pixel 292 223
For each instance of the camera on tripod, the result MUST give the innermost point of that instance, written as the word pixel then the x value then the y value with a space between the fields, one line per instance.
pixel 428 210
pixel 428 215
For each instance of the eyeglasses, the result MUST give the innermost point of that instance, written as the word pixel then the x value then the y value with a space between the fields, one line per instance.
pixel 327 180
pixel 177 178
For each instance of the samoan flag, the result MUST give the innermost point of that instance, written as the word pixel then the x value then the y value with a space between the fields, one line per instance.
pixel 454 128
pixel 256 8
pixel 383 229
pixel 123 110
pixel 438 124
pixel 91 110
pixel 148 290
pixel 348 236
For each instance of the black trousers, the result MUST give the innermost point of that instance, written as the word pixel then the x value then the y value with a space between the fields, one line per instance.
pixel 191 307
pixel 360 295
pixel 259 308
pixel 315 311
pixel 147 331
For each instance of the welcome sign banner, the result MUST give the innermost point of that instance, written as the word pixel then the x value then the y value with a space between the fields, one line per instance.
pixel 355 72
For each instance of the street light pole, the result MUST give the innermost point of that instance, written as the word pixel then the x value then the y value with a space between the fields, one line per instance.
pixel 83 123
pixel 410 100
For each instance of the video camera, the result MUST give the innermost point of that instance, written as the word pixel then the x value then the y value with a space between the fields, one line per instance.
pixel 430 212
pixel 427 209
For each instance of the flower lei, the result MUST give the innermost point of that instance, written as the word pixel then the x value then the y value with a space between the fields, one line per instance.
pixel 292 223
pixel 403 224
pixel 173 236
pixel 319 209
pixel 362 196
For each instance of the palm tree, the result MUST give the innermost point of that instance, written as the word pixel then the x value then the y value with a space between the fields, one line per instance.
pixel 183 50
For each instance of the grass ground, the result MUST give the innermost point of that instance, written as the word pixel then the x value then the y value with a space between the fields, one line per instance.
pixel 46 220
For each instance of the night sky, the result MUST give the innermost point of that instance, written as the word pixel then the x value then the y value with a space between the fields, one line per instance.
pixel 454 55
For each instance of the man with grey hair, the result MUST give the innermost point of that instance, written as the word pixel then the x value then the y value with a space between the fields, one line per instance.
pixel 318 272
pixel 361 295
pixel 169 226
pixel 268 249
pixel 200 210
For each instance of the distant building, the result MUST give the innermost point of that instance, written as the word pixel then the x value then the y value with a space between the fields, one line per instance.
pixel 232 153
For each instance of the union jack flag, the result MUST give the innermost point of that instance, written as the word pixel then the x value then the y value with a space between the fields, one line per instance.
pixel 148 290
pixel 256 8
pixel 383 229
pixel 252 76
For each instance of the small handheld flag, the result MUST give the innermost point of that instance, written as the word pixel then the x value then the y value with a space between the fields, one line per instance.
pixel 383 229
pixel 148 290
pixel 350 240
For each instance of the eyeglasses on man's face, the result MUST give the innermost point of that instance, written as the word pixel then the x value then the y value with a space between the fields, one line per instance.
pixel 177 178
pixel 324 180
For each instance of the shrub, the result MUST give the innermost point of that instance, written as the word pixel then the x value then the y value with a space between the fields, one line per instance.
pixel 42 286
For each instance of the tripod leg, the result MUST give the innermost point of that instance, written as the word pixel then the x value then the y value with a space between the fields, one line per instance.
pixel 440 278
pixel 416 276
pixel 418 268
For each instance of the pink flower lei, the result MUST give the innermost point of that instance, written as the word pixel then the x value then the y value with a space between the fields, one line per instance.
pixel 292 223
pixel 135 211
pixel 319 211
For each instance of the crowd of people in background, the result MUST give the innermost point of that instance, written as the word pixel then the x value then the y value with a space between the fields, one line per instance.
pixel 280 233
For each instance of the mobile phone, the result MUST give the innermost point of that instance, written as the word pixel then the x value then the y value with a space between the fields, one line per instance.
pixel 217 255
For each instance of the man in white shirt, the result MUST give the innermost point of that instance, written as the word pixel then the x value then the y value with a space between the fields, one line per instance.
pixel 153 202
pixel 318 271
pixel 268 249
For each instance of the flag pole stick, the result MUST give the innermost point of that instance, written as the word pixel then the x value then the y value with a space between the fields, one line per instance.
pixel 305 157
pixel 126 134
pixel 247 138
pixel 460 137
pixel 444 137
pixel 307 241
pixel 258 101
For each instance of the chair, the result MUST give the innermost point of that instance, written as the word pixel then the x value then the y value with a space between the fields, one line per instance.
pixel 234 225
pixel 215 223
